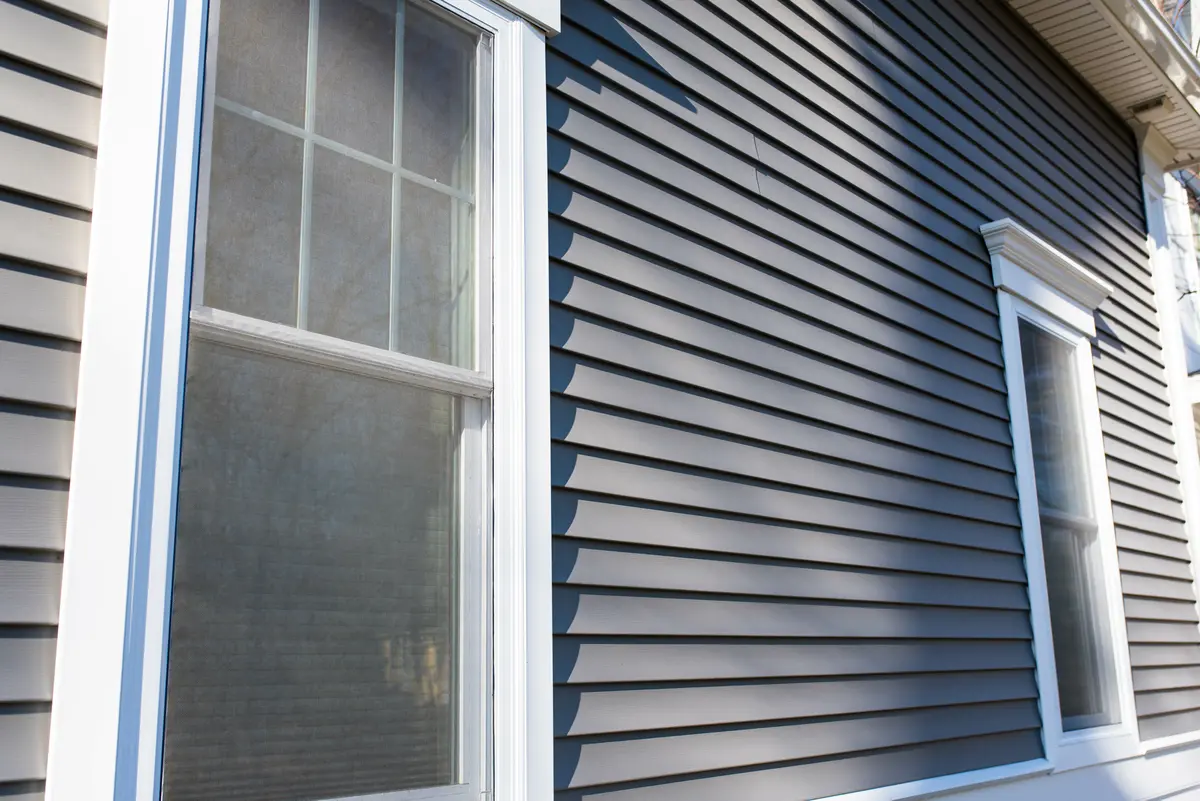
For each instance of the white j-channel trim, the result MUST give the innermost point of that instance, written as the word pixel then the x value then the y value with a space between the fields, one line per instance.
pixel 1029 267
pixel 308 347
pixel 523 733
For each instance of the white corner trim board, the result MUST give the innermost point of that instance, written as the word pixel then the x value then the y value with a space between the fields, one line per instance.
pixel 1025 265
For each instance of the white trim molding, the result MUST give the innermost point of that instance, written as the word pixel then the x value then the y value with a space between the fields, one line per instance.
pixel 1039 284
pixel 1021 259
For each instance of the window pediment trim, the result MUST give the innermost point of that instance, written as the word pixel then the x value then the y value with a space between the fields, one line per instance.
pixel 1018 254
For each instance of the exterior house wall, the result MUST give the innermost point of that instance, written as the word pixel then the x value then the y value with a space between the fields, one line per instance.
pixel 787 549
pixel 51 65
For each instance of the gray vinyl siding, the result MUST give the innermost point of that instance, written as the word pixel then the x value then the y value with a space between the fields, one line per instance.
pixel 51 65
pixel 787 552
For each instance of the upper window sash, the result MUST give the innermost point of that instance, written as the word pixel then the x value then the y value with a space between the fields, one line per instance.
pixel 467 185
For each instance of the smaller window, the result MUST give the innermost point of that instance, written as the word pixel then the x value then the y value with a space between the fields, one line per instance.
pixel 1070 542
pixel 1047 304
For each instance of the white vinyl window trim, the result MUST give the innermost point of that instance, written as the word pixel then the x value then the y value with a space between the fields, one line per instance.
pixel 1044 287
pixel 106 729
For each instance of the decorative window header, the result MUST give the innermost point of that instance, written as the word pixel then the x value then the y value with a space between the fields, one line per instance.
pixel 1025 265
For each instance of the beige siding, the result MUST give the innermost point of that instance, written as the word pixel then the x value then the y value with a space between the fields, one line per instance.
pixel 51 69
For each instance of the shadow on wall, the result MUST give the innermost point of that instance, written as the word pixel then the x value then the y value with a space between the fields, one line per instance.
pixel 617 58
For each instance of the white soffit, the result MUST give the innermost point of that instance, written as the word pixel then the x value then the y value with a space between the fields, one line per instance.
pixel 1127 51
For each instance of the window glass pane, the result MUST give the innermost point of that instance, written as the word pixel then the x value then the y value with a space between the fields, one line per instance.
pixel 351 249
pixel 313 639
pixel 355 92
pixel 1074 575
pixel 261 61
pixel 253 234
pixel 439 98
pixel 311 222
pixel 435 309
pixel 1057 434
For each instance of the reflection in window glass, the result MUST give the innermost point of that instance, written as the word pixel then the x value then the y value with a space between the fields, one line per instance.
pixel 1074 575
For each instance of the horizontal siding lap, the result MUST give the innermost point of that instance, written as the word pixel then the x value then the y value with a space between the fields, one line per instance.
pixel 748 347
pixel 743 312
pixel 584 518
pixel 51 68
pixel 582 660
pixel 34 513
pixel 587 337
pixel 24 738
pixel 595 613
pixel 607 761
pixel 596 567
pixel 970 75
pixel 35 445
pixel 606 475
pixel 969 128
pixel 847 102
pixel 596 429
pixel 827 777
pixel 768 270
pixel 603 711
pixel 27 663
pixel 588 381
pixel 38 38
pixel 787 549
pixel 71 113
pixel 43 170
pixel 29 590
pixel 650 271
pixel 944 303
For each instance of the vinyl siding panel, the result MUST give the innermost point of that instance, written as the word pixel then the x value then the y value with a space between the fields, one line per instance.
pixel 787 555
pixel 24 737
pixel 51 68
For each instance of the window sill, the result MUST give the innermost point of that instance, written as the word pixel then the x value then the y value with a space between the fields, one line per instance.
pixel 1163 744
pixel 926 788
pixel 1096 747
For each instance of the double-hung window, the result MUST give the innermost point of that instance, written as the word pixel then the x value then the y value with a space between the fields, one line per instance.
pixel 1047 303
pixel 310 513
pixel 327 617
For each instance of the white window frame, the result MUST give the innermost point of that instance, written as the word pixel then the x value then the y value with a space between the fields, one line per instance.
pixel 1038 283
pixel 106 726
